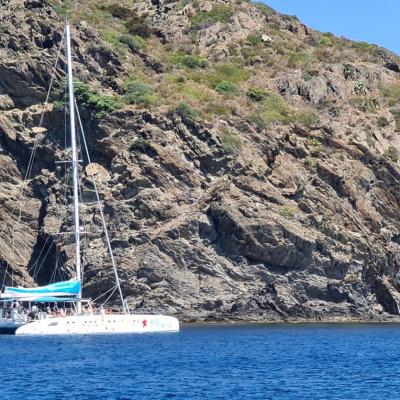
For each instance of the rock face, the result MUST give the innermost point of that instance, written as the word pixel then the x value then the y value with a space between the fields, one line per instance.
pixel 301 221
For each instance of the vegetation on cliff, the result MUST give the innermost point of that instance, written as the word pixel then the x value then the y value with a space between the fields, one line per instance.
pixel 253 161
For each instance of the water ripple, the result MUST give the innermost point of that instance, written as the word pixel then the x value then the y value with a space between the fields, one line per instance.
pixel 277 362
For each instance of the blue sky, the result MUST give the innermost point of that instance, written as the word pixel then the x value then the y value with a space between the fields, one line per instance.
pixel 373 21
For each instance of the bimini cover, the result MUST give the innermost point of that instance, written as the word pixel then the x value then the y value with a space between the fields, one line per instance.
pixel 66 288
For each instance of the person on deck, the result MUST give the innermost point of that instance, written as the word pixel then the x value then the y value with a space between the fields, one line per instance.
pixel 33 314
pixel 60 312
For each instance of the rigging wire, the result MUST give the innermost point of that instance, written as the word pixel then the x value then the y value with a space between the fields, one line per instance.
pixel 54 273
pixel 37 270
pixel 102 295
pixel 36 143
pixel 84 240
pixel 36 267
pixel 109 297
pixel 58 270
pixel 22 189
pixel 33 266
pixel 117 281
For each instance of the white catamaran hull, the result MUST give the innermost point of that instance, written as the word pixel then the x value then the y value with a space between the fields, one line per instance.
pixel 99 324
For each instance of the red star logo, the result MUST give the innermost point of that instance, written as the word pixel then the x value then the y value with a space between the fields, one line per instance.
pixel 144 323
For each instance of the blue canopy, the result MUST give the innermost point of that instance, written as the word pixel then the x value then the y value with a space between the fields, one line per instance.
pixel 63 289
pixel 45 300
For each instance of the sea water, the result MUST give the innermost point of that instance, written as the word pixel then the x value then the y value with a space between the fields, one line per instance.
pixel 207 362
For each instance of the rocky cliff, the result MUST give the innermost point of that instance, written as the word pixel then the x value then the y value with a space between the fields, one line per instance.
pixel 247 164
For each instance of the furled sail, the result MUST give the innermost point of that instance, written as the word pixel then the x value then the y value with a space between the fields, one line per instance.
pixel 65 288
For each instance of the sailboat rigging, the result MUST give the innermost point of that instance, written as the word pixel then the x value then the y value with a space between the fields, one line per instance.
pixel 82 320
pixel 74 163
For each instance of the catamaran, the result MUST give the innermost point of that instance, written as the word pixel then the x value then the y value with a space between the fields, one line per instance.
pixel 80 316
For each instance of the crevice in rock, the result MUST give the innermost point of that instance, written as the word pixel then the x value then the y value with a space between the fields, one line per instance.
pixel 43 258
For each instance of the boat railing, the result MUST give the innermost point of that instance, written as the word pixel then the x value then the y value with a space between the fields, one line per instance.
pixel 26 315
pixel 13 315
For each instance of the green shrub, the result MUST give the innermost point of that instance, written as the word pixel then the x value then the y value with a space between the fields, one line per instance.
pixel 364 46
pixel 310 162
pixel 366 104
pixel 326 41
pixel 215 108
pixel 67 178
pixel 138 25
pixel 231 142
pixel 310 74
pixel 59 104
pixel 111 36
pixel 369 137
pixel 348 70
pixel 251 55
pixel 382 122
pixel 272 109
pixel 231 72
pixel 392 153
pixel 391 93
pixel 233 49
pixel 287 17
pixel 134 44
pixel 91 98
pixel 191 91
pixel 219 13
pixel 118 11
pixel 256 94
pixel 313 141
pixel 396 114
pixel 275 105
pixel 191 61
pixel 286 212
pixel 254 39
pixel 306 117
pixel 258 121
pixel 298 58
pixel 62 9
pixel 186 112
pixel 275 27
pixel 227 88
pixel 138 92
pixel 360 87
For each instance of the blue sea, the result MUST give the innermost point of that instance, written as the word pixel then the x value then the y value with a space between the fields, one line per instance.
pixel 276 362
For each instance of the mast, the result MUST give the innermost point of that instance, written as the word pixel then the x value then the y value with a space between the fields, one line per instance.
pixel 74 163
